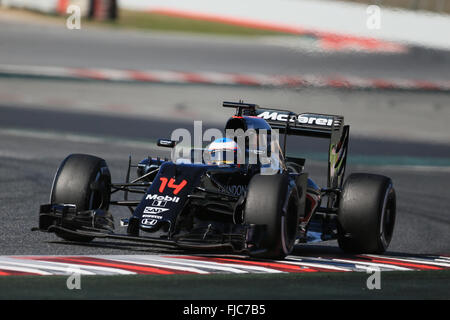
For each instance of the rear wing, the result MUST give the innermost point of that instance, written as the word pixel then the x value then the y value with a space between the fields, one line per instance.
pixel 306 124
pixel 291 123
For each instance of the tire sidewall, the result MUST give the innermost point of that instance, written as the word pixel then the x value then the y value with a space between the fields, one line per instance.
pixel 267 196
pixel 362 213
pixel 73 184
pixel 90 168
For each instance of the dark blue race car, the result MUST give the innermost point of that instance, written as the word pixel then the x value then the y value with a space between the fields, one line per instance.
pixel 261 209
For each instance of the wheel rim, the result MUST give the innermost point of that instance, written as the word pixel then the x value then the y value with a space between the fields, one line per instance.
pixel 98 199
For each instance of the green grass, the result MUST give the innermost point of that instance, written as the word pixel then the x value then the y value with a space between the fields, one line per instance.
pixel 152 21
pixel 351 285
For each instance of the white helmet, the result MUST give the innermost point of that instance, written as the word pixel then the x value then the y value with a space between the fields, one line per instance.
pixel 222 151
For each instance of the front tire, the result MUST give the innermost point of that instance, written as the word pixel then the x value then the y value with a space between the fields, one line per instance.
pixel 367 209
pixel 85 181
pixel 272 205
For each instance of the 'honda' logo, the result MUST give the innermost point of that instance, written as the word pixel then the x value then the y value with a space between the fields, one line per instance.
pixel 149 222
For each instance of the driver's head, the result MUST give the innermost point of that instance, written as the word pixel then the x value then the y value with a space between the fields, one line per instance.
pixel 223 151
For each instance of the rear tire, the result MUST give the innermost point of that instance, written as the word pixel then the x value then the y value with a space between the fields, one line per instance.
pixel 367 209
pixel 269 205
pixel 85 181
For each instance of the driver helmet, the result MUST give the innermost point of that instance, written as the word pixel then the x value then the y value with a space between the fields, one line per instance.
pixel 223 151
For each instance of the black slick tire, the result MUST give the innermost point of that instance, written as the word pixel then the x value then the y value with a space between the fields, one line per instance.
pixel 367 209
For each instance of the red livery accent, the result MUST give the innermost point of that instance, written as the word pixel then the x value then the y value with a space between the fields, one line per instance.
pixel 177 187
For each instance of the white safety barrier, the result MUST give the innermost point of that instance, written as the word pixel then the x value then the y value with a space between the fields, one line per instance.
pixel 324 16
pixel 47 6
pixel 410 27
pixel 96 9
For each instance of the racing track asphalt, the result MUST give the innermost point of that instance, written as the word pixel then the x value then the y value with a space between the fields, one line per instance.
pixel 54 45
pixel 32 147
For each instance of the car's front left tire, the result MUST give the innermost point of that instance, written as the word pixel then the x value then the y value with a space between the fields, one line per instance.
pixel 85 181
pixel 272 206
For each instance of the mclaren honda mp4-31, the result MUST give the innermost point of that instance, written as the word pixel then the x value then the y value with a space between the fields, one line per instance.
pixel 259 210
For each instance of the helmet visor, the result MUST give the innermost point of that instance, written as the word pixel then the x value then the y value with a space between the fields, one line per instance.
pixel 223 156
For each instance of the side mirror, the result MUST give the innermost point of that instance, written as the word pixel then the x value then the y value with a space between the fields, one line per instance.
pixel 166 143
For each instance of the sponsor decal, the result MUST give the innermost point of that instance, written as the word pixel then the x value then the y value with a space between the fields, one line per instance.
pixel 235 190
pixel 149 222
pixel 159 203
pixel 311 119
pixel 154 210
pixel 153 216
pixel 162 198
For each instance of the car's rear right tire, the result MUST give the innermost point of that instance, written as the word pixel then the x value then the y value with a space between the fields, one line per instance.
pixel 367 209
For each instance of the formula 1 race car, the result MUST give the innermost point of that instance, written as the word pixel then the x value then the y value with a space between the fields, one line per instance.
pixel 262 209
